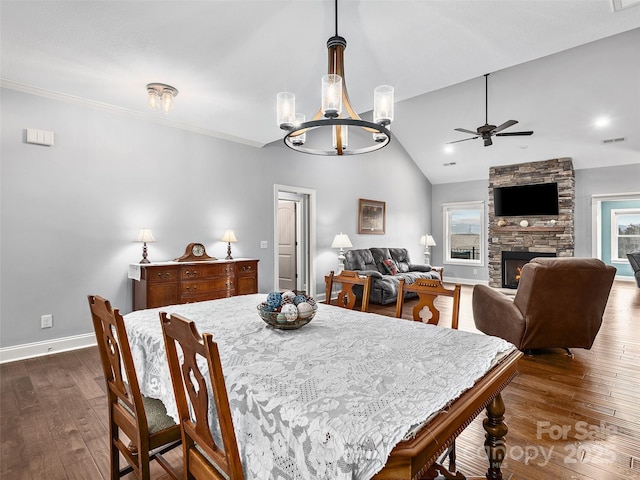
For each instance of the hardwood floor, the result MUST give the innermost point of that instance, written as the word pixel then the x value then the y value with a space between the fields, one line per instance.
pixel 568 418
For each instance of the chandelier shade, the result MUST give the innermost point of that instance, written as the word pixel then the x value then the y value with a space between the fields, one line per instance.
pixel 286 109
pixel 336 114
pixel 332 95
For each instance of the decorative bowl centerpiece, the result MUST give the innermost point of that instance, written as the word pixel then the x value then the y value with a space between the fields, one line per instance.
pixel 287 311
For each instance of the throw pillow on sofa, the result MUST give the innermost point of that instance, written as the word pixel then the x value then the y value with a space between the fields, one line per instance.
pixel 390 266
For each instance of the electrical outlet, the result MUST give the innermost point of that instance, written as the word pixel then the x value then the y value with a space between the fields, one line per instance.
pixel 46 321
pixel 475 271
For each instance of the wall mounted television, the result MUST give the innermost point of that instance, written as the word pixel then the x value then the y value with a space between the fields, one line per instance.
pixel 519 200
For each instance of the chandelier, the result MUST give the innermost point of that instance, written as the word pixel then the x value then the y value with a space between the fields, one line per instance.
pixel 336 114
pixel 160 96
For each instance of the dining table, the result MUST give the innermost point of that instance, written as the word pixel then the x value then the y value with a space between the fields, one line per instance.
pixel 350 395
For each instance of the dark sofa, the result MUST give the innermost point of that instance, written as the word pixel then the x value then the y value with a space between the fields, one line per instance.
pixel 634 260
pixel 379 262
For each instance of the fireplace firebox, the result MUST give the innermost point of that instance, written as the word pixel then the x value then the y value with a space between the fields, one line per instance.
pixel 512 263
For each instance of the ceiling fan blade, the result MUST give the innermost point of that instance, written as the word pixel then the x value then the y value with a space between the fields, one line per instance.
pixel 514 134
pixel 506 124
pixel 463 140
pixel 464 130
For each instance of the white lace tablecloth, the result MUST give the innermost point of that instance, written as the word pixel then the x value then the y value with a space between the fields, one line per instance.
pixel 330 400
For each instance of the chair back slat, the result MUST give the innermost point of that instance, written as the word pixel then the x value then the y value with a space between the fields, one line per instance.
pixel 428 290
pixel 347 280
pixel 194 390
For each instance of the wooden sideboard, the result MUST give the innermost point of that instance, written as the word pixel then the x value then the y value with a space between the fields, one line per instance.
pixel 170 283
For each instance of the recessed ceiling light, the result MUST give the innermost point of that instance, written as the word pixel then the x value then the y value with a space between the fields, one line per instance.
pixel 524 146
pixel 448 149
pixel 602 122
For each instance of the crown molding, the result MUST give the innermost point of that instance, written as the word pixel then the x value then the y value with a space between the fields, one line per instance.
pixel 84 102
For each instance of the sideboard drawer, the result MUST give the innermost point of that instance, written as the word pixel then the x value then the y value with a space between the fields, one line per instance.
pixel 194 272
pixel 202 297
pixel 247 268
pixel 160 275
pixel 206 286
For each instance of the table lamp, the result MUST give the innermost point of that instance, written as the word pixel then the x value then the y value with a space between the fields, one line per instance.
pixel 341 241
pixel 144 236
pixel 427 241
pixel 230 238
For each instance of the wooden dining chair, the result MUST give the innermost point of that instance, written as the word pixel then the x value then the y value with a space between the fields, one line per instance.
pixel 203 457
pixel 428 290
pixel 144 421
pixel 346 297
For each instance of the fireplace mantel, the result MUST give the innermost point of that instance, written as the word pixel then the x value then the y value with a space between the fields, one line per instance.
pixel 528 229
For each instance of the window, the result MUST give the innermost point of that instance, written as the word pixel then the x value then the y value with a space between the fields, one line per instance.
pixel 464 233
pixel 625 233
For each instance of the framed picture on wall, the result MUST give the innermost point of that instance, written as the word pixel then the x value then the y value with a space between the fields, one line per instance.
pixel 371 216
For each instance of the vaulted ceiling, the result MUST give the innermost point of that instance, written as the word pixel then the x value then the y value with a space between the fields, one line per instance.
pixel 555 66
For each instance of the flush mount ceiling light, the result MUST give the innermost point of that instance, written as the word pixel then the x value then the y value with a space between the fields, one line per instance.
pixel 161 96
pixel 336 114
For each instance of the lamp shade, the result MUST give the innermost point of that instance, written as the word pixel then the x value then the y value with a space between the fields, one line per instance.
pixel 145 235
pixel 160 96
pixel 344 136
pixel 331 95
pixel 229 237
pixel 301 137
pixel 341 241
pixel 167 100
pixel 383 104
pixel 427 241
pixel 286 108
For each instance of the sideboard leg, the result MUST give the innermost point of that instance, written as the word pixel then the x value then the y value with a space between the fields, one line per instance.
pixel 494 439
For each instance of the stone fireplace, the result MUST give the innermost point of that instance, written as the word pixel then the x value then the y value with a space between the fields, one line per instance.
pixel 551 235
pixel 512 263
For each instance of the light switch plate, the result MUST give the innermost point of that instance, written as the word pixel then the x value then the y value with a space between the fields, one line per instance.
pixel 39 137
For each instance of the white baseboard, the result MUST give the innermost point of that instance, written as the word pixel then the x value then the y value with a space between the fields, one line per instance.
pixel 47 347
pixel 625 278
pixel 465 281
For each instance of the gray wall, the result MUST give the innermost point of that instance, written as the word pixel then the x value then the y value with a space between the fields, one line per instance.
pixel 599 181
pixel 71 211
pixel 451 193
pixel 593 181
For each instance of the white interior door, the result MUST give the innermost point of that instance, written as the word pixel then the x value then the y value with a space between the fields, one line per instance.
pixel 287 241
pixel 296 255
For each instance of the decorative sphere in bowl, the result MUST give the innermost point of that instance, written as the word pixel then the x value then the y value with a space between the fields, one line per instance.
pixel 288 315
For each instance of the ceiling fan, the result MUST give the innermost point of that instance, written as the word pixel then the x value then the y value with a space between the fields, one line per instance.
pixel 487 131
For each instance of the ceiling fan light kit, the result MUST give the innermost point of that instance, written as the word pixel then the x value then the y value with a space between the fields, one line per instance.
pixel 336 113
pixel 487 131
